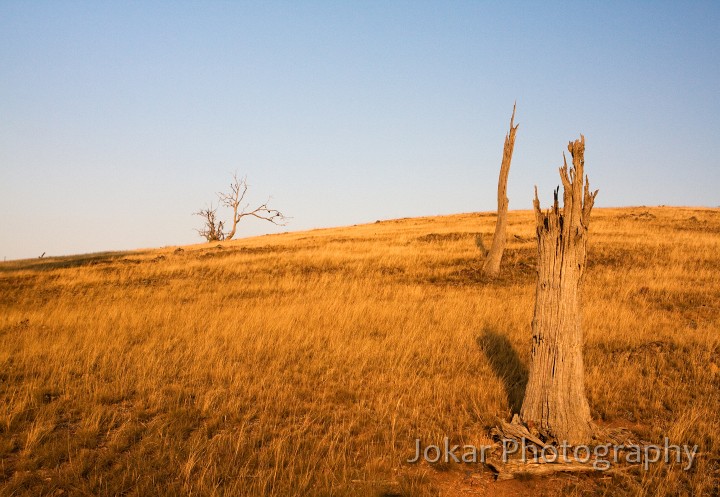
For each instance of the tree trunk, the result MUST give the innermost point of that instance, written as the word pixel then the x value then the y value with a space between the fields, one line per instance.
pixel 555 401
pixel 491 266
pixel 231 234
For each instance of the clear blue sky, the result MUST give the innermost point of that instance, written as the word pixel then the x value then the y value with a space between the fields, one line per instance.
pixel 120 119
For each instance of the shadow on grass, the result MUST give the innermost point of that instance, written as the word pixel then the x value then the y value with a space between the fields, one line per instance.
pixel 506 365
pixel 64 262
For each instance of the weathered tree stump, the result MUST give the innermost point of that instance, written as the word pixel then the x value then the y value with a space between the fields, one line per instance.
pixel 555 402
pixel 493 258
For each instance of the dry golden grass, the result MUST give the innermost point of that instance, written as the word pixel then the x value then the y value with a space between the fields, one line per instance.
pixel 308 363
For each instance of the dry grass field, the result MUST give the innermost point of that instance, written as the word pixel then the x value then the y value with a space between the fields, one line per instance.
pixel 308 363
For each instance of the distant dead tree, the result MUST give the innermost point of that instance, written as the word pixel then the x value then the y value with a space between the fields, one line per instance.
pixel 491 266
pixel 555 402
pixel 213 230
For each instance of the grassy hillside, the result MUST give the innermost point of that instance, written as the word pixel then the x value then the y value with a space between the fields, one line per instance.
pixel 308 363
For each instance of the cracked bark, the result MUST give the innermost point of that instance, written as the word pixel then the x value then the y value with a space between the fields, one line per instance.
pixel 555 402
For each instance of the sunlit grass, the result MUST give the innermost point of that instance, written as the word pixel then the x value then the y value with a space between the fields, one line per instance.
pixel 308 363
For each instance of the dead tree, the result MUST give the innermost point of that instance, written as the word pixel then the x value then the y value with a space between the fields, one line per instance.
pixel 234 199
pixel 212 231
pixel 491 266
pixel 555 402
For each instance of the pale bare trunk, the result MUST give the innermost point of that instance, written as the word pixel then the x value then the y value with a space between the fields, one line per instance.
pixel 555 402
pixel 231 234
pixel 491 266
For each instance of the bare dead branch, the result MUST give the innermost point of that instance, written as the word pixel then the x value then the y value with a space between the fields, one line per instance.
pixel 265 213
